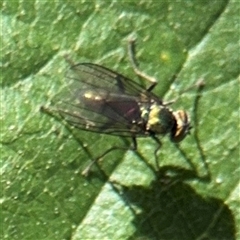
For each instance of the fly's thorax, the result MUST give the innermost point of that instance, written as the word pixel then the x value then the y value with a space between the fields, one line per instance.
pixel 160 119
pixel 182 126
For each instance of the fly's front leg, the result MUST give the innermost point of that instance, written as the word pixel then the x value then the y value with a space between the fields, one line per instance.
pixel 131 52
pixel 199 85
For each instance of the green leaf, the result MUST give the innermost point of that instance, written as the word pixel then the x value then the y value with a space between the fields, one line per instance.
pixel 44 195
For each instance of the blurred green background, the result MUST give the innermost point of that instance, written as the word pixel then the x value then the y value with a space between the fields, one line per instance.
pixel 44 195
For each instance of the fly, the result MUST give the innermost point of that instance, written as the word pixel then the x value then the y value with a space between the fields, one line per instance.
pixel 104 101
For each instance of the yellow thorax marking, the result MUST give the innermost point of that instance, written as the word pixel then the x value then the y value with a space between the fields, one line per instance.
pixel 160 119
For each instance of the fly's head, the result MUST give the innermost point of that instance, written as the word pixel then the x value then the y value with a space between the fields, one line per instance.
pixel 182 126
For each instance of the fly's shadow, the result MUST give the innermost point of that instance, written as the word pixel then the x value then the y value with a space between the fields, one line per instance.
pixel 169 208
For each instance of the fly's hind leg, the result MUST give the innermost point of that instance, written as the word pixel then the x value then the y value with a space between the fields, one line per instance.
pixel 95 161
pixel 87 170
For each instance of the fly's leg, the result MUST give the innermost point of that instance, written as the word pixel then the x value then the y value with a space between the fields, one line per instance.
pixel 159 145
pixel 52 113
pixel 131 52
pixel 207 176
pixel 87 170
pixel 199 85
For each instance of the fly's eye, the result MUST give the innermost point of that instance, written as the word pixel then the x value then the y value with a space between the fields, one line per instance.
pixel 182 126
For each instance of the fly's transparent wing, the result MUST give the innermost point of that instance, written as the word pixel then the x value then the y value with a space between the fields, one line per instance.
pixel 101 100
pixel 98 77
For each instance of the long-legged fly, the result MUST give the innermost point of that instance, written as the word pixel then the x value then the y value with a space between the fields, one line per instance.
pixel 103 101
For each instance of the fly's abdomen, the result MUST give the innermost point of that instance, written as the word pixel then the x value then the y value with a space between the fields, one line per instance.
pixel 113 106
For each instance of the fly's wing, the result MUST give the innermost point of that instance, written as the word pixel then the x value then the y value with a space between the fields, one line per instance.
pixel 98 77
pixel 101 100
